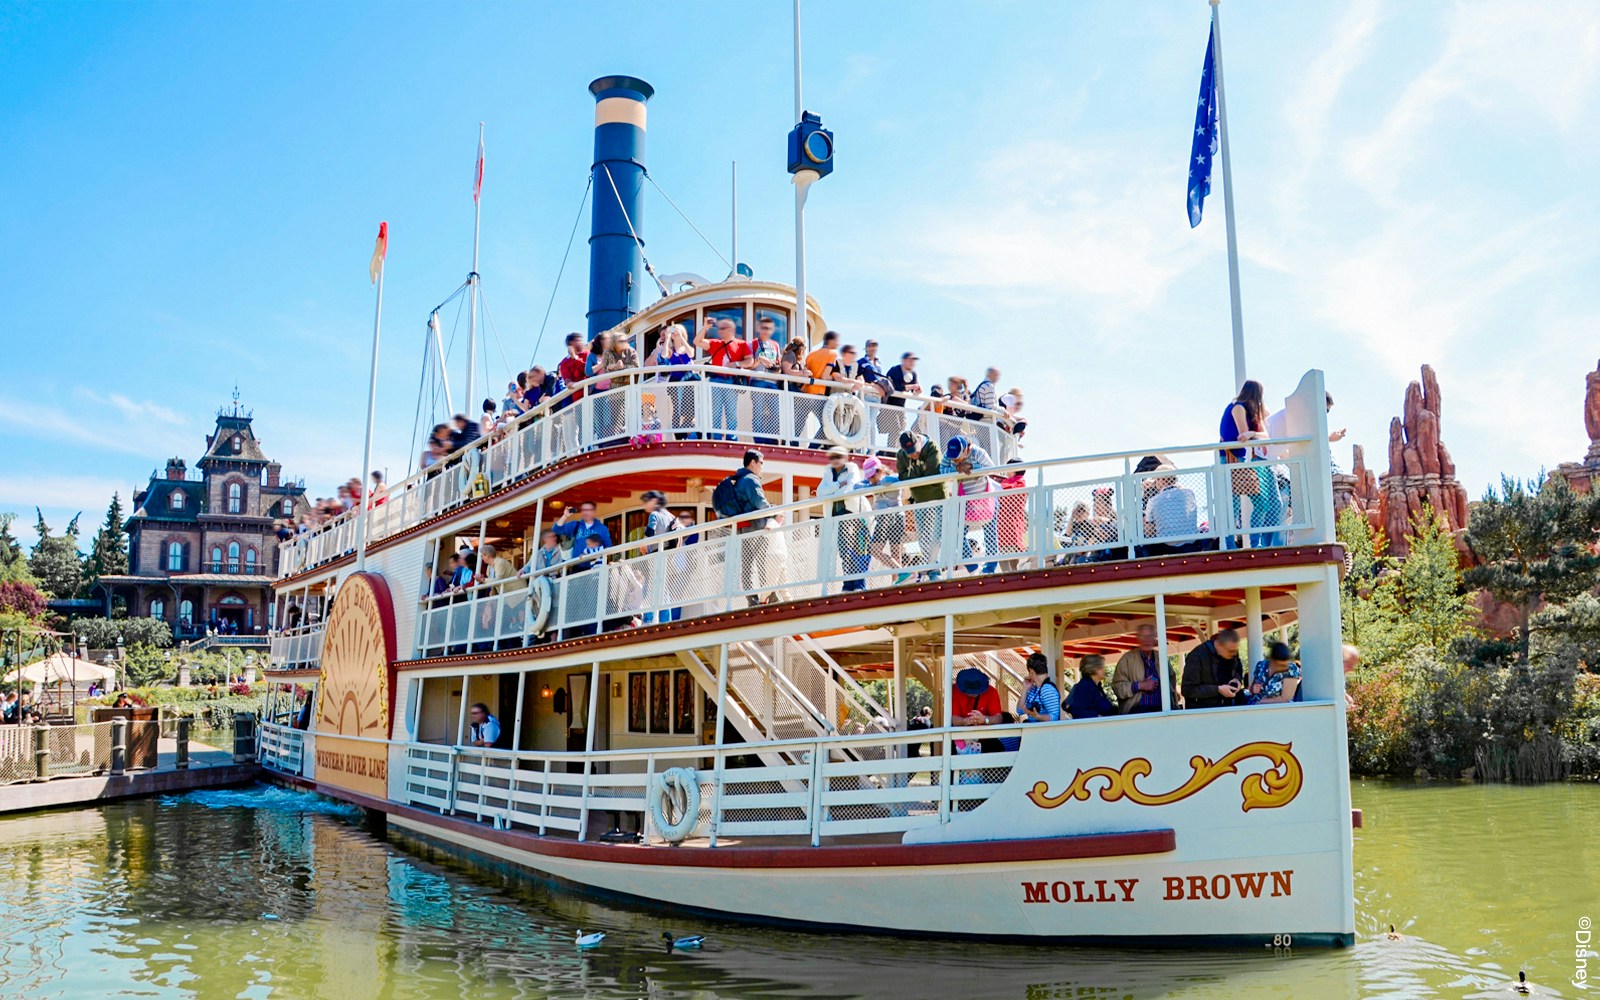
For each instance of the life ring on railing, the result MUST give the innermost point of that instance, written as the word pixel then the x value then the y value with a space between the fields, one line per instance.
pixel 681 786
pixel 844 421
pixel 540 599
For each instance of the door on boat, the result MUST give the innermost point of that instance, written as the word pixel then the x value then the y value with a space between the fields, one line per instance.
pixel 577 715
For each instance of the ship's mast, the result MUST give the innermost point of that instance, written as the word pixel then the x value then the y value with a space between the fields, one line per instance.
pixel 799 206
pixel 472 279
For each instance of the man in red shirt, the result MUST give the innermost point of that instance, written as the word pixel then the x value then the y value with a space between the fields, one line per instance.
pixel 571 367
pixel 725 352
pixel 975 702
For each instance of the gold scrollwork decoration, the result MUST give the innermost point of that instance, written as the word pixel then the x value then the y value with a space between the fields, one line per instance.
pixel 1275 787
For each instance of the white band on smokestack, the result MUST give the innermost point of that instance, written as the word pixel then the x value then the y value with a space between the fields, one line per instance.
pixel 619 110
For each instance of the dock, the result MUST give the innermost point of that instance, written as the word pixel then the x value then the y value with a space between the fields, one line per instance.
pixel 208 767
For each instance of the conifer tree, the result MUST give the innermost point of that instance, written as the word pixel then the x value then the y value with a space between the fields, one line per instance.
pixel 108 556
pixel 55 561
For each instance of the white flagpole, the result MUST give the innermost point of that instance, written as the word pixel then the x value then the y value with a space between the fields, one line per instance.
pixel 472 328
pixel 800 187
pixel 372 404
pixel 1227 201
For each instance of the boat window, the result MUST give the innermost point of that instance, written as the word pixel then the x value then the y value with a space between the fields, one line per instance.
pixel 780 322
pixel 735 313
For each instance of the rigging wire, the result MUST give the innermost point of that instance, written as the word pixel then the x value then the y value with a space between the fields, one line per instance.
pixel 631 232
pixel 690 221
pixel 489 323
pixel 422 385
pixel 563 269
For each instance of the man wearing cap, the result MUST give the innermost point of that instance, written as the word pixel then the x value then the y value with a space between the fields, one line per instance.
pixel 918 458
pixel 658 522
pixel 963 457
pixel 888 522
pixel 838 485
pixel 1275 679
pixel 975 702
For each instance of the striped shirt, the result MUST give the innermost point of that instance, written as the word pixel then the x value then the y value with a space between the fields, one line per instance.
pixel 1045 700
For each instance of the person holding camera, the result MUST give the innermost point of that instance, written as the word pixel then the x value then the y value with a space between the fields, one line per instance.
pixel 1213 675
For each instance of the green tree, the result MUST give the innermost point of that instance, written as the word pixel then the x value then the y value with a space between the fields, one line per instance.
pixel 56 561
pixel 1436 611
pixel 10 548
pixel 144 665
pixel 103 633
pixel 108 554
pixel 1369 603
pixel 1534 544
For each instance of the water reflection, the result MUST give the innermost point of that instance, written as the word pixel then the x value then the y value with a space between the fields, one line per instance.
pixel 268 893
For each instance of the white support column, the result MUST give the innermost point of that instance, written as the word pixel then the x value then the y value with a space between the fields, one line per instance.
pixel 901 711
pixel 722 717
pixel 1050 643
pixel 1161 652
pixel 588 748
pixel 461 718
pixel 516 726
pixel 947 679
pixel 1252 627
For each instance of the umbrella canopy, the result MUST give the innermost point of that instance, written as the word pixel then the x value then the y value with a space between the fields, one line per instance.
pixel 65 668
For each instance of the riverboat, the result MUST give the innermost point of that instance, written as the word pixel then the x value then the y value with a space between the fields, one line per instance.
pixel 718 719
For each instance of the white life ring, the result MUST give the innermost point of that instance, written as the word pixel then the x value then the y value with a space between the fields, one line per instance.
pixel 683 787
pixel 844 421
pixel 540 599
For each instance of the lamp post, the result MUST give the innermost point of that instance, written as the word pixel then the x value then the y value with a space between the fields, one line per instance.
pixel 122 670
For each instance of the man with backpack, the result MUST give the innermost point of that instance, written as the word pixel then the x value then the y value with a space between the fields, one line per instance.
pixel 740 494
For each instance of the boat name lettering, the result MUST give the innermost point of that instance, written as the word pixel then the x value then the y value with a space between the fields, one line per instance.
pixel 1244 885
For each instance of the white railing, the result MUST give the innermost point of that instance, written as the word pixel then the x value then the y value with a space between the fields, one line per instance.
pixel 647 410
pixel 282 748
pixel 297 647
pixel 78 748
pixel 1053 513
pixel 822 787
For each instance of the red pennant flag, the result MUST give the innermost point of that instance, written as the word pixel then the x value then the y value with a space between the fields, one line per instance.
pixel 380 251
pixel 477 180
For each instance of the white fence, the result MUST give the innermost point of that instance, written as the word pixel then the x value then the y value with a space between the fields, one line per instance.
pixel 826 787
pixel 285 749
pixel 648 409
pixel 297 647
pixel 1052 513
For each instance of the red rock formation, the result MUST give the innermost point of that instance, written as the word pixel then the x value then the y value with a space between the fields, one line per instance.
pixel 1358 489
pixel 1420 468
pixel 1585 475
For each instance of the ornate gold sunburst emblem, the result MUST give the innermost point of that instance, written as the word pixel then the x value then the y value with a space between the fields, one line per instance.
pixel 353 698
pixel 1277 786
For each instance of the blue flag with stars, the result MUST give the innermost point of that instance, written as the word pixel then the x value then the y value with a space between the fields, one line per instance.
pixel 1205 138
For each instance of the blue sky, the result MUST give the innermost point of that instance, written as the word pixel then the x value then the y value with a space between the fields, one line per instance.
pixel 189 192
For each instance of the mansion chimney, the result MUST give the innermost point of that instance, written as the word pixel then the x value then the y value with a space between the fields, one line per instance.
pixel 176 468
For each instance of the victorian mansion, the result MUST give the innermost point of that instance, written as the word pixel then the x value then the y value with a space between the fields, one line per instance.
pixel 202 548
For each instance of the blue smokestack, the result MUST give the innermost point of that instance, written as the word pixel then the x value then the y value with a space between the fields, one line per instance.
pixel 616 264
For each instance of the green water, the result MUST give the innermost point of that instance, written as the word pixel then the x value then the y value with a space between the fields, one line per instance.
pixel 268 893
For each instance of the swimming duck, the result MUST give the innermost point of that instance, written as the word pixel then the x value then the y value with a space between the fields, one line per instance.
pixel 1521 985
pixel 1394 935
pixel 686 943
pixel 590 940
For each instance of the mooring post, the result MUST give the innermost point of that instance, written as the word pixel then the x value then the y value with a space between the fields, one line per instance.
pixel 119 745
pixel 183 743
pixel 244 737
pixel 41 753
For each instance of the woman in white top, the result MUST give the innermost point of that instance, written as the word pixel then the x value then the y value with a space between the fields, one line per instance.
pixel 838 486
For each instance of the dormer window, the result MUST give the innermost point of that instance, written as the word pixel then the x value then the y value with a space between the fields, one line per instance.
pixel 177 500
pixel 238 444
